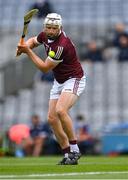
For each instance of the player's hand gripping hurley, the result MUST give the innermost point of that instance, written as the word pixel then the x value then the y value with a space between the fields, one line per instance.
pixel 27 19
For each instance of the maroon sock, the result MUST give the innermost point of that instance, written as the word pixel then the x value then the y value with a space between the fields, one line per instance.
pixel 66 150
pixel 73 142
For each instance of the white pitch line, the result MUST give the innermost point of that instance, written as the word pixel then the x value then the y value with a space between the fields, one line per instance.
pixel 63 174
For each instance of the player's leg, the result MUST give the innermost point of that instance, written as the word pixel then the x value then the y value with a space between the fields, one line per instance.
pixel 75 86
pixel 65 102
pixel 56 124
pixel 62 138
pixel 71 90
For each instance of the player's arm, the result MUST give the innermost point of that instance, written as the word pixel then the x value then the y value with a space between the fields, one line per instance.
pixel 45 65
pixel 31 42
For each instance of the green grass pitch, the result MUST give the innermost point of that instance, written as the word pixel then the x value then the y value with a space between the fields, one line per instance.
pixel 100 167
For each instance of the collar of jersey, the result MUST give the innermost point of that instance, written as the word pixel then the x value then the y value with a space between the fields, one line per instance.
pixel 51 41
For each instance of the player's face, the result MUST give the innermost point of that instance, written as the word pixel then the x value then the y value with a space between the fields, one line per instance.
pixel 52 31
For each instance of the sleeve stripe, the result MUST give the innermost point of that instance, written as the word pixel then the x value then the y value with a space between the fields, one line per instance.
pixel 56 61
pixel 59 52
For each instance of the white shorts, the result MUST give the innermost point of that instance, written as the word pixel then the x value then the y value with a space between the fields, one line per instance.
pixel 73 85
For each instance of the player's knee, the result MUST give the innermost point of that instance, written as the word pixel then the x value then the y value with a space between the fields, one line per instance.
pixel 60 111
pixel 51 119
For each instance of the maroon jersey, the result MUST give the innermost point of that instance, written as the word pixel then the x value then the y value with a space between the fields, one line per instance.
pixel 65 53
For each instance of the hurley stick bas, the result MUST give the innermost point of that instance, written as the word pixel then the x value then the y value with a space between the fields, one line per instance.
pixel 27 18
